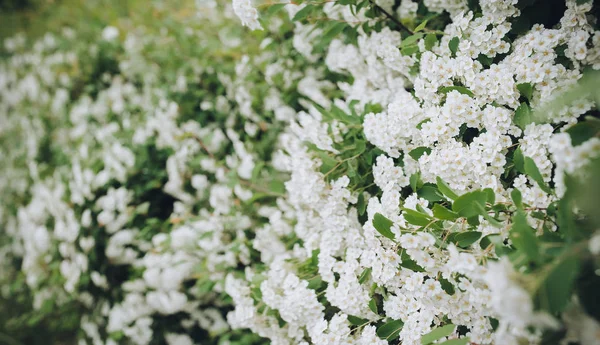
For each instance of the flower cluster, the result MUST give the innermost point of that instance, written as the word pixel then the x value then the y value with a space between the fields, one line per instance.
pixel 358 172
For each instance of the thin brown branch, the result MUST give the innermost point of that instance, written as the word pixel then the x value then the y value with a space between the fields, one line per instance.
pixel 391 17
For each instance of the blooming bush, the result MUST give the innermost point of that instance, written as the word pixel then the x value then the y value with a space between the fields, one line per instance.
pixel 343 172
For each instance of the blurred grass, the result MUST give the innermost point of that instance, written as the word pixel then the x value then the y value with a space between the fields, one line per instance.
pixel 36 17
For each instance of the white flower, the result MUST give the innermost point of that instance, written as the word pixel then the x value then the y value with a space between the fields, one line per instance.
pixel 247 13
pixel 110 33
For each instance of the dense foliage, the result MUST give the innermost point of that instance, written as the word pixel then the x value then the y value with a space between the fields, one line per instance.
pixel 326 172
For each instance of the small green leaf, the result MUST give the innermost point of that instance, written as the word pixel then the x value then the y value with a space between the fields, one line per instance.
pixel 461 341
pixel 418 152
pixel 332 32
pixel 277 186
pixel 532 170
pixel 430 41
pixel 490 196
pixel 390 330
pixel 365 275
pixel 373 305
pixel 430 193
pixel 565 217
pixel 485 60
pixel 409 50
pixel 453 45
pixel 415 218
pixel 446 286
pixel 303 13
pixel 466 239
pixel 440 212
pixel 420 124
pixel 315 283
pixel 408 262
pixel 519 160
pixel 526 89
pixel 517 198
pixel 522 116
pixel 361 205
pixel 421 26
pixel 490 239
pixel 523 237
pixel 460 89
pixel 493 221
pixel 556 291
pixel 465 205
pixel 437 333
pixel 410 40
pixel 583 131
pixel 445 189
pixel 414 181
pixel 383 226
pixel 357 321
pixel 273 9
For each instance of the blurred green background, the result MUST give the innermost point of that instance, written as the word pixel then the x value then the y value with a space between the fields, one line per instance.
pixel 36 17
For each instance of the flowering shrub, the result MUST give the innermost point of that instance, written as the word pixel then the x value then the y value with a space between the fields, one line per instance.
pixel 345 172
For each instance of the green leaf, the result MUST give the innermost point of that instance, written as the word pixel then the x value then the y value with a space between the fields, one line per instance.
pixel 566 221
pixel 409 50
pixel 583 131
pixel 273 9
pixel 314 257
pixel 523 237
pixel 555 293
pixel 517 198
pixel 446 286
pixel 409 263
pixel 532 170
pixel 418 152
pixel 410 40
pixel 460 89
pixel 466 239
pixel 415 218
pixel 490 196
pixel 526 89
pixel 522 116
pixel 461 341
pixel 440 212
pixel 327 162
pixel 430 193
pixel 445 189
pixel 453 45
pixel 437 333
pixel 303 13
pixel 390 330
pixel 373 305
pixel 485 60
pixel 420 124
pixel 277 186
pixel 142 208
pixel 365 275
pixel 357 321
pixel 383 226
pixel 519 160
pixel 414 181
pixel 465 205
pixel 490 239
pixel 430 41
pixel 335 29
pixel 361 205
pixel 315 283
pixel 483 212
pixel 421 26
